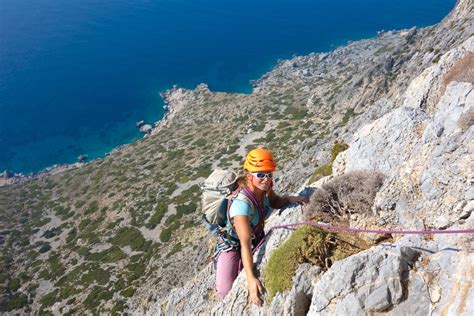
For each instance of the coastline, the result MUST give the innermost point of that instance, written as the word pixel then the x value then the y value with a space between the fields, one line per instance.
pixel 173 104
pixel 171 108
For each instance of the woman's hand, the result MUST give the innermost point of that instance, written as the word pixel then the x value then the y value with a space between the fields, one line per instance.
pixel 255 290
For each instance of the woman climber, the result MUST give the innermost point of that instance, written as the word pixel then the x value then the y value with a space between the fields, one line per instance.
pixel 249 207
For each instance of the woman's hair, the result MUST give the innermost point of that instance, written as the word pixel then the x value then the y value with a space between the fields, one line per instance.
pixel 242 179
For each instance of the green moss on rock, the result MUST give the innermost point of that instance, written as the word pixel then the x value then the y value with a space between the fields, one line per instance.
pixel 304 245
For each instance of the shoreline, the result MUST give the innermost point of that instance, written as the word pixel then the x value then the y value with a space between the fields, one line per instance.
pixel 172 108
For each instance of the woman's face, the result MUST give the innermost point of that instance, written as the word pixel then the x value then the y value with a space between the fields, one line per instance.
pixel 261 184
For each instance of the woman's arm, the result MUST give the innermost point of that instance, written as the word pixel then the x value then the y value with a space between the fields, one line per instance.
pixel 242 227
pixel 278 202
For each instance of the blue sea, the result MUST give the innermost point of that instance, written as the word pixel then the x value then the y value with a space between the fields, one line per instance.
pixel 76 75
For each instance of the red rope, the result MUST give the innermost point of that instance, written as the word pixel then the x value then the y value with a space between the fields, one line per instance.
pixel 364 230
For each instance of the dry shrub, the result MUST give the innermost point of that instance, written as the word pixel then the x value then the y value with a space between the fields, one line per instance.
pixel 353 192
pixel 462 71
pixel 466 119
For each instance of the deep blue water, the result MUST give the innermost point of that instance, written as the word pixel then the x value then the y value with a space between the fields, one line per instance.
pixel 76 75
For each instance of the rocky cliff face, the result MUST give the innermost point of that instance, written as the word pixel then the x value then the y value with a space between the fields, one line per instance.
pixel 419 134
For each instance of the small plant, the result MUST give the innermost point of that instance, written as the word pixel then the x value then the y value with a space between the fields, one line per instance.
pixel 347 116
pixel 462 71
pixel 466 120
pixel 353 192
pixel 176 248
pixel 326 170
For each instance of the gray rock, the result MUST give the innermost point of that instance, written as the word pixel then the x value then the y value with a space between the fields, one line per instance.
pixel 6 174
pixel 371 281
pixel 298 299
pixel 147 128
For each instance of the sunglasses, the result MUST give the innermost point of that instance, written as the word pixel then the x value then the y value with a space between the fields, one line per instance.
pixel 263 175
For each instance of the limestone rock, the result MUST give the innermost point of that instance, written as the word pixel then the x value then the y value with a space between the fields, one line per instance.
pixel 146 128
pixel 372 281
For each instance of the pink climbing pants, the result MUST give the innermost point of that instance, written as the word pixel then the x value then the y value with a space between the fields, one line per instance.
pixel 227 270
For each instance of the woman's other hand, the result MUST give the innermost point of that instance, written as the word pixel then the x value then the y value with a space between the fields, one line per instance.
pixel 255 290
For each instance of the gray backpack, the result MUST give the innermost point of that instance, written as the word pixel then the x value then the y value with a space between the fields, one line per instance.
pixel 216 190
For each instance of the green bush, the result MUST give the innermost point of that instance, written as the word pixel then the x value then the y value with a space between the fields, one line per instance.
pixel 44 274
pixel 347 116
pixel 74 276
pixel 187 195
pixel 165 235
pixel 52 232
pixel 96 296
pixel 71 235
pixel 176 248
pixel 118 308
pixel 98 275
pixel 128 292
pixel 14 284
pixel 326 170
pixel 201 142
pixel 295 113
pixel 136 270
pixel 49 299
pixel 83 225
pixel 186 209
pixel 91 208
pixel 83 251
pixel 17 301
pixel 160 210
pixel 79 204
pixel 176 154
pixel 170 187
pixel 44 248
pixel 129 236
pixel 111 255
pixel 203 171
pixel 68 291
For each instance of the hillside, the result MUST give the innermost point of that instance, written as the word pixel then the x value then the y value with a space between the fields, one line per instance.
pixel 425 158
pixel 119 233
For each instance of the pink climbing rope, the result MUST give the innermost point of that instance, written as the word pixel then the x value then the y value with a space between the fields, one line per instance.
pixel 364 230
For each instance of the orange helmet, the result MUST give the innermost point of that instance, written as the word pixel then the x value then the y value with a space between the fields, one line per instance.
pixel 259 159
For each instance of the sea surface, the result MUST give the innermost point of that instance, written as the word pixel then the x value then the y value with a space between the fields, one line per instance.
pixel 76 75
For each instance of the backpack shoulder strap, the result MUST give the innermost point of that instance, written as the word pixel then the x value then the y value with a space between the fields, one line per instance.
pixel 259 207
pixel 229 203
